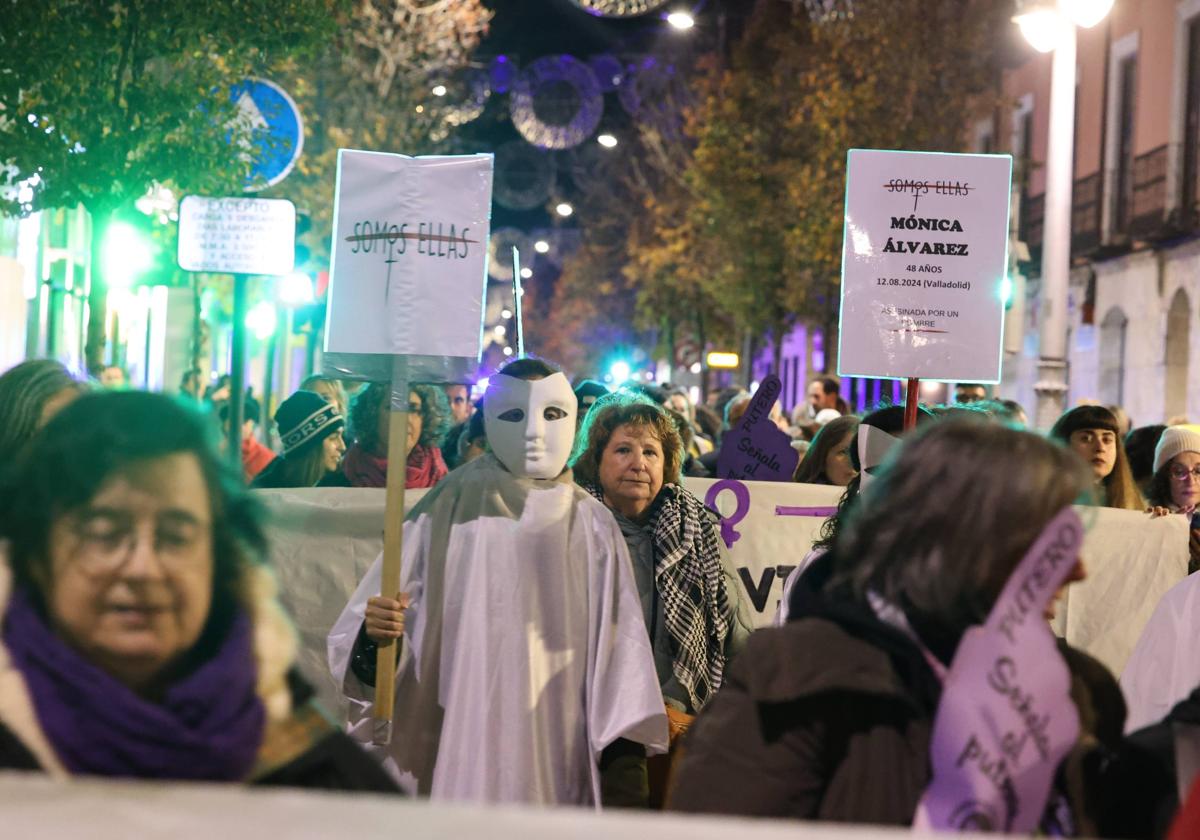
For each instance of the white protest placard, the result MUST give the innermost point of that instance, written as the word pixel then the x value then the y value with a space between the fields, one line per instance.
pixel 237 235
pixel 408 270
pixel 924 265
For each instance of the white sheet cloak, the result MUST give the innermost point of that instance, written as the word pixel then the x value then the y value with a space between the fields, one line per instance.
pixel 1165 665
pixel 525 649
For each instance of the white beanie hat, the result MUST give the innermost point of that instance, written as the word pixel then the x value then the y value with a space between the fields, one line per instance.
pixel 825 415
pixel 1176 439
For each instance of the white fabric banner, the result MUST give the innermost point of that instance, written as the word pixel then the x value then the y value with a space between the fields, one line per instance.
pixel 324 540
pixel 34 806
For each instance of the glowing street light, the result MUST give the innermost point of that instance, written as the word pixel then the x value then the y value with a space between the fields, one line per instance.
pixel 1043 27
pixel 296 289
pixel 526 273
pixel 126 254
pixel 607 141
pixel 1086 13
pixel 261 320
pixel 681 20
pixel 620 372
pixel 724 361
pixel 1049 25
pixel 541 246
pixel 563 209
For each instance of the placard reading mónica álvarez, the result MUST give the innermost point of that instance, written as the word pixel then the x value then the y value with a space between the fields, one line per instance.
pixel 924 260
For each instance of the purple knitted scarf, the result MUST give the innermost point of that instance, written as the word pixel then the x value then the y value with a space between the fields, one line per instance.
pixel 208 726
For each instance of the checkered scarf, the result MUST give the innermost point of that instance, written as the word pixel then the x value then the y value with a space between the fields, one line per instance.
pixel 691 586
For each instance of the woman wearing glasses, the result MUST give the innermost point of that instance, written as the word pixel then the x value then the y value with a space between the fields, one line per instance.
pixel 1175 486
pixel 140 633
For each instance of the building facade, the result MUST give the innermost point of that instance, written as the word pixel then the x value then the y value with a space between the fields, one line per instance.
pixel 1133 336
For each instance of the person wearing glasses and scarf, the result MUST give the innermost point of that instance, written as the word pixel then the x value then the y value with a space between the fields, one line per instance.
pixel 628 456
pixel 1175 485
pixel 141 637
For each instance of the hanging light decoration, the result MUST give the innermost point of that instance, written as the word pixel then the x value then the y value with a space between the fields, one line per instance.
pixel 619 8
pixel 829 11
pixel 524 176
pixel 556 102
pixel 466 92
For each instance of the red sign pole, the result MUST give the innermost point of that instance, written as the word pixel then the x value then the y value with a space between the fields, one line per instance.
pixel 910 404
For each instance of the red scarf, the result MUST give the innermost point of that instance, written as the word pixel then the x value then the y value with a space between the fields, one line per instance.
pixel 425 467
pixel 255 458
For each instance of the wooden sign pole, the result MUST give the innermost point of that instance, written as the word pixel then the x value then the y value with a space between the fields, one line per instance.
pixel 393 540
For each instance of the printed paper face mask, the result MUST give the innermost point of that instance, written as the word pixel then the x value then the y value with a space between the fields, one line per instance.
pixel 530 425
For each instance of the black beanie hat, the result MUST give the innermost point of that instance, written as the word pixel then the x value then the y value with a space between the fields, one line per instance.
pixel 587 392
pixel 305 419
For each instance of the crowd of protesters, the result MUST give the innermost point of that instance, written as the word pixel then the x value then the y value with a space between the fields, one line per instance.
pixel 142 638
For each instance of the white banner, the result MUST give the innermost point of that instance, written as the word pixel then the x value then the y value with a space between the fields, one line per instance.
pixel 36 806
pixel 323 541
pixel 924 265
pixel 409 255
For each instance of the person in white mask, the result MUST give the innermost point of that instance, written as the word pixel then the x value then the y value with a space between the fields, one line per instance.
pixel 524 651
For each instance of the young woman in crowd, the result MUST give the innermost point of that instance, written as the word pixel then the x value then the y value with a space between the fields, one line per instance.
pixel 366 461
pixel 141 637
pixel 1093 433
pixel 1175 485
pixel 329 388
pixel 829 717
pixel 310 428
pixel 30 394
pixel 628 455
pixel 828 460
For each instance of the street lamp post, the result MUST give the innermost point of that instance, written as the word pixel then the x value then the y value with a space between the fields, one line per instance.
pixel 1051 26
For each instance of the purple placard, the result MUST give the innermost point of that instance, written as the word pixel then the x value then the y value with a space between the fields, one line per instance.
pixel 1006 718
pixel 756 450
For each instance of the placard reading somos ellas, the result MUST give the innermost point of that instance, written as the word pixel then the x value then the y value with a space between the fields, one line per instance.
pixel 408 269
pixel 924 264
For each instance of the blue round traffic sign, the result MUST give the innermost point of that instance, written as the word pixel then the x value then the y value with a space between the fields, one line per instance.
pixel 278 130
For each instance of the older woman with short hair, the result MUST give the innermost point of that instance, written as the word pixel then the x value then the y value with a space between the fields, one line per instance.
pixel 141 633
pixel 628 455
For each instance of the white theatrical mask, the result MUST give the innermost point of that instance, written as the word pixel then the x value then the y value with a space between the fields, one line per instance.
pixel 530 424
